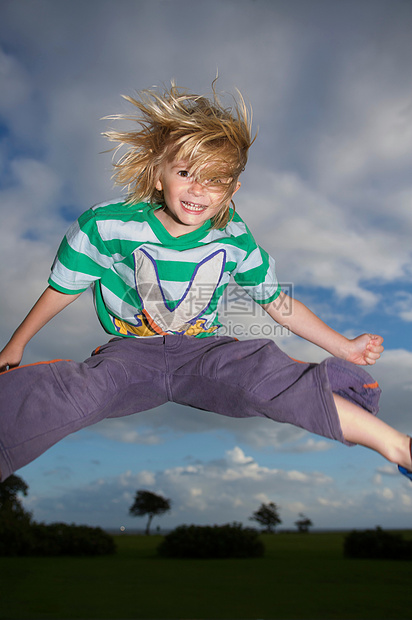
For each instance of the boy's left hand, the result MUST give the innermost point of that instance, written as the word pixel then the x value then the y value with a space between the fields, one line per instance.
pixel 365 349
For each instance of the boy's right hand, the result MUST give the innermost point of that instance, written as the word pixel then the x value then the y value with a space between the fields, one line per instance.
pixel 10 357
pixel 50 303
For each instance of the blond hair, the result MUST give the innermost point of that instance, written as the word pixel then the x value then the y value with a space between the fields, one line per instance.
pixel 175 124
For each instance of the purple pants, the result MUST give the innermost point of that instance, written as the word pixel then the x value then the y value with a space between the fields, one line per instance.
pixel 42 403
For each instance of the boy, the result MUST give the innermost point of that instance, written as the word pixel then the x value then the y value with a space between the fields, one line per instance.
pixel 159 263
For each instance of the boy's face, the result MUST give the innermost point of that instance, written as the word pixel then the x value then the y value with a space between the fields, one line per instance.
pixel 188 203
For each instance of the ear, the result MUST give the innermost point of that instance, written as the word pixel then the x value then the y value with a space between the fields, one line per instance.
pixel 159 185
pixel 238 184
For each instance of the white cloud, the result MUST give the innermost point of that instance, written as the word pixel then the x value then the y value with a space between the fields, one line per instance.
pixel 14 83
pixel 376 139
pixel 146 478
pixel 319 242
pixel 225 491
pixel 406 500
pixel 385 470
pixel 402 306
pixel 387 494
pixel 238 457
pixel 118 430
pixel 312 445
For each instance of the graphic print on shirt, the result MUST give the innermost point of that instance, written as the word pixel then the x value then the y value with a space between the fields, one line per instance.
pixel 184 315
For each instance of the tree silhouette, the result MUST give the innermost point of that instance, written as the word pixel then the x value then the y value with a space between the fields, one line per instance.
pixel 20 535
pixel 303 524
pixel 147 503
pixel 10 505
pixel 15 521
pixel 267 516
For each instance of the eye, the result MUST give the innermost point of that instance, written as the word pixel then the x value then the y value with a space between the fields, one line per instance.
pixel 184 173
pixel 217 181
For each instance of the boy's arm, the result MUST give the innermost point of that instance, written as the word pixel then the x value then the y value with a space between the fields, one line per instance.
pixel 48 305
pixel 296 317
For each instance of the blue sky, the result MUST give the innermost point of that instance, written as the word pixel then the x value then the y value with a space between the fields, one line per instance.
pixel 327 192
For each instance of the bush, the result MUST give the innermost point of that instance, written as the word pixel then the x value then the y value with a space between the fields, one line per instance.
pixel 20 535
pixel 54 539
pixel 224 541
pixel 15 534
pixel 63 539
pixel 377 545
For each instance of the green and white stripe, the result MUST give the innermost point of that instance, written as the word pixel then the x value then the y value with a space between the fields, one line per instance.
pixel 138 269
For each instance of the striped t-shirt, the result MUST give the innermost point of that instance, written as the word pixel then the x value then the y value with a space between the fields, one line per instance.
pixel 147 282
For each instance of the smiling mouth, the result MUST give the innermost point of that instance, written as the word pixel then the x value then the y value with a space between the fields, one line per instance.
pixel 193 207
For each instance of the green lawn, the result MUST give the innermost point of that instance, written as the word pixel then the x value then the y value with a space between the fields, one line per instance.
pixel 301 576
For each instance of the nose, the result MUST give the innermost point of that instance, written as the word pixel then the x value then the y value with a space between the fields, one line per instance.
pixel 196 188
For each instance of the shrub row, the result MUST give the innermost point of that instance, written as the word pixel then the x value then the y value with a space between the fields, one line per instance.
pixel 377 545
pixel 218 541
pixel 53 540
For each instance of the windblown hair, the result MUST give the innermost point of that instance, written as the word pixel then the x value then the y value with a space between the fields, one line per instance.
pixel 177 125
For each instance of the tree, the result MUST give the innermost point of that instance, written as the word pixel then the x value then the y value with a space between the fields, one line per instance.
pixel 20 535
pixel 15 521
pixel 267 516
pixel 147 503
pixel 10 504
pixel 303 524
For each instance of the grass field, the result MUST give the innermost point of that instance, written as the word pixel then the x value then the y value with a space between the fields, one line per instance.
pixel 301 576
